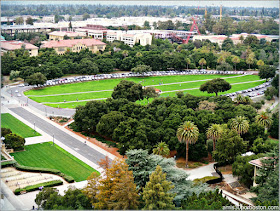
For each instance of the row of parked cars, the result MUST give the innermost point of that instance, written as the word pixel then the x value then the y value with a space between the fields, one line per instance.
pixel 124 75
pixel 252 92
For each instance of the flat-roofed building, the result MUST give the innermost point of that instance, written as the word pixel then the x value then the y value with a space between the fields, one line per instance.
pixel 219 39
pixel 59 35
pixel 128 39
pixel 76 45
pixel 11 30
pixel 132 39
pixel 111 36
pixel 95 34
pixel 7 46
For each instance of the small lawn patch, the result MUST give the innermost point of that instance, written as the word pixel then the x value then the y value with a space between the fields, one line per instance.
pixel 16 126
pixel 54 157
pixel 204 179
pixel 274 141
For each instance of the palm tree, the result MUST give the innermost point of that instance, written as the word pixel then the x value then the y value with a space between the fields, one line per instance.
pixel 214 132
pixel 239 99
pixel 202 62
pixel 161 149
pixel 125 53
pixel 240 124
pixel 250 59
pixel 235 60
pixel 138 54
pixel 264 119
pixel 188 133
pixel 188 61
pixel 221 60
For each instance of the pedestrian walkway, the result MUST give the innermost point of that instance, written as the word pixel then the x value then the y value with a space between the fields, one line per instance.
pixel 201 172
pixel 19 179
pixel 29 198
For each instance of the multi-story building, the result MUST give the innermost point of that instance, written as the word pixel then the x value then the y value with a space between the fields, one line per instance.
pixel 111 36
pixel 59 35
pixel 13 45
pixel 236 38
pixel 95 31
pixel 76 45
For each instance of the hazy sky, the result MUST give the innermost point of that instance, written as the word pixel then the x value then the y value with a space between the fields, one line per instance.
pixel 236 3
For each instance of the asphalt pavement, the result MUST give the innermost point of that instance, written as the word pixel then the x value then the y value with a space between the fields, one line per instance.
pixel 68 140
pixel 38 107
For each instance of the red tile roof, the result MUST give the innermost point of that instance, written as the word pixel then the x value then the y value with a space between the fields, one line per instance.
pixel 13 45
pixel 258 162
pixel 70 43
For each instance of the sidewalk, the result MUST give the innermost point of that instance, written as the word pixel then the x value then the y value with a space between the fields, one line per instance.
pixel 201 172
pixel 29 198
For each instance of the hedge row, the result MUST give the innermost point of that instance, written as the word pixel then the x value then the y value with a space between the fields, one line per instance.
pixel 30 188
pixel 44 170
pixel 7 163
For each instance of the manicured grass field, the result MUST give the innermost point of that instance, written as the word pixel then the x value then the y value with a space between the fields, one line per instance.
pixel 16 126
pixel 109 84
pixel 273 140
pixel 59 93
pixel 47 156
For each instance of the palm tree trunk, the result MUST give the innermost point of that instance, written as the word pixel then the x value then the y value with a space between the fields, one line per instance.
pixel 214 147
pixel 187 153
pixel 235 66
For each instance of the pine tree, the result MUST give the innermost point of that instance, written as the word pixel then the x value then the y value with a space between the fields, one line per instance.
pixel 155 193
pixel 125 196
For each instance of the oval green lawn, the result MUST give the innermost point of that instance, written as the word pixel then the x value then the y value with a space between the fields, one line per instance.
pixel 107 94
pixel 109 84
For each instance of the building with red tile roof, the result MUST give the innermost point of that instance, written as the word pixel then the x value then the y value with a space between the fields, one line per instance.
pixel 76 45
pixel 13 45
pixel 257 163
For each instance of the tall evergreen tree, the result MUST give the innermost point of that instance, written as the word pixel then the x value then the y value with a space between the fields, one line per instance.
pixel 155 193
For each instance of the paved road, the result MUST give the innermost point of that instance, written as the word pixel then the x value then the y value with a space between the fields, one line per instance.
pixel 40 108
pixel 82 149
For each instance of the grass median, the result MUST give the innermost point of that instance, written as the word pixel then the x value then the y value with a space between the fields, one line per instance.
pixel 17 127
pixel 54 157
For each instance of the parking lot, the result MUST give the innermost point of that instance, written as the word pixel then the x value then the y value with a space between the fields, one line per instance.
pixel 125 75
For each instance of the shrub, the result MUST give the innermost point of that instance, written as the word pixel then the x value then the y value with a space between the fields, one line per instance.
pixel 7 163
pixel 44 170
pixel 30 188
pixel 5 131
pixel 204 179
pixel 14 141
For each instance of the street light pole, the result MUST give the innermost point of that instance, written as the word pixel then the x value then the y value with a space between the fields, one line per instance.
pixel 46 110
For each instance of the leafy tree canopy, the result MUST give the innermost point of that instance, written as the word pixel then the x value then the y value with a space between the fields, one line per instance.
pixel 215 86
